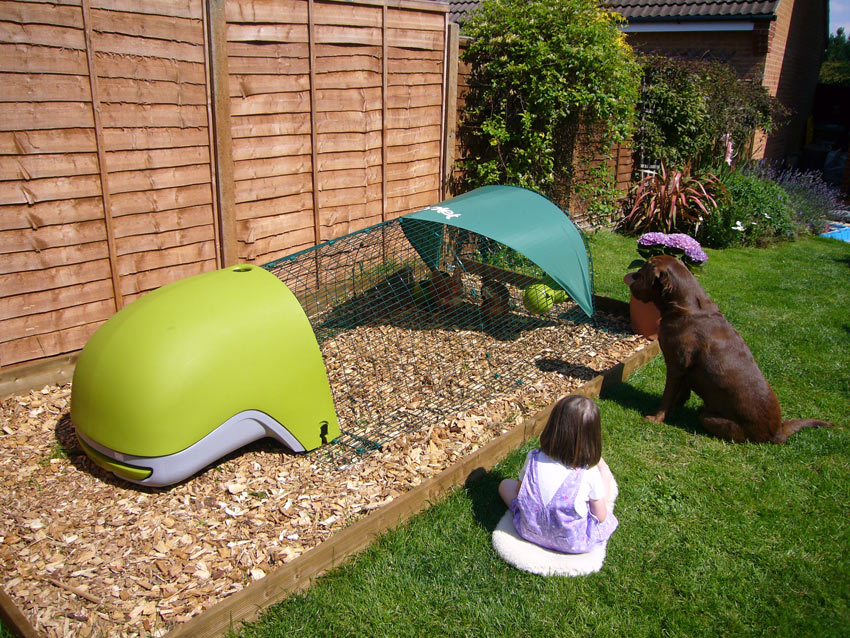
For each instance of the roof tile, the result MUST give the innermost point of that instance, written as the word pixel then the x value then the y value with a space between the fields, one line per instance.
pixel 645 10
pixel 650 10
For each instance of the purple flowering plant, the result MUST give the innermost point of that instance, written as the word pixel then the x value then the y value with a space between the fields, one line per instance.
pixel 679 245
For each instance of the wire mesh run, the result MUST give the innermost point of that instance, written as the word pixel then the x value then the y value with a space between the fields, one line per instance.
pixel 415 322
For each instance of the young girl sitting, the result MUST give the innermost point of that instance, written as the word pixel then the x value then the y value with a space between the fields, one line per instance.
pixel 560 499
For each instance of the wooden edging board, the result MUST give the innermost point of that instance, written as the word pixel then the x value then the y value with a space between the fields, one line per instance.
pixel 299 574
pixel 29 376
pixel 13 619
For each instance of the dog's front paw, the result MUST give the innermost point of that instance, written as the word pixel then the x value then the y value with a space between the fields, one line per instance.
pixel 655 418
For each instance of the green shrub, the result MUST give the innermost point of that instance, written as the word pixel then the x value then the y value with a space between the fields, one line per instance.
pixel 673 112
pixel 756 213
pixel 689 109
pixel 541 73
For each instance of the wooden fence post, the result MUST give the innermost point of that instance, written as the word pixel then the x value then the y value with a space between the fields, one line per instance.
pixel 384 111
pixel 450 100
pixel 314 136
pixel 221 146
pixel 101 160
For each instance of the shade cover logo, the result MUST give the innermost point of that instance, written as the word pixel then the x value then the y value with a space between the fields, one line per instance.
pixel 448 213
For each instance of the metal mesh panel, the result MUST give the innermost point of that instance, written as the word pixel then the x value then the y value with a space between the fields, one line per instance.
pixel 407 344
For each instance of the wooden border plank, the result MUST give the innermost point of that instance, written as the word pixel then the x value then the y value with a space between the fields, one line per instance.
pixel 13 619
pixel 18 379
pixel 246 604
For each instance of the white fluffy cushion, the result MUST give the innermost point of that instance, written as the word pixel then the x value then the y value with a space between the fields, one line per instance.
pixel 529 557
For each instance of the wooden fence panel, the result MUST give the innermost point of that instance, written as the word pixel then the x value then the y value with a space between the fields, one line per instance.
pixel 108 148
pixel 348 95
pixel 160 104
pixel 54 273
pixel 349 160
pixel 416 69
pixel 268 61
pixel 97 93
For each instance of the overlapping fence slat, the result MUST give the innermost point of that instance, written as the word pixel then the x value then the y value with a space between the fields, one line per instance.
pixel 111 182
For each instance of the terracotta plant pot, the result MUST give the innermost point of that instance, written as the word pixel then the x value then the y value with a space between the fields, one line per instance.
pixel 645 317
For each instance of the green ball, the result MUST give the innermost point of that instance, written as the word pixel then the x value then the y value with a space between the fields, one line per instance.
pixel 538 299
pixel 559 293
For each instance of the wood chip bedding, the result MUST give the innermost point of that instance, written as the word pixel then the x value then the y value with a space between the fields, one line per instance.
pixel 84 554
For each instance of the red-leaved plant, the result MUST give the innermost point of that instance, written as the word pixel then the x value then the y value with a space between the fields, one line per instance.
pixel 669 200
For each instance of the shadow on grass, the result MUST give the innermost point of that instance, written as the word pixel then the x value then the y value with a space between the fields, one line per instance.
pixel 482 489
pixel 685 417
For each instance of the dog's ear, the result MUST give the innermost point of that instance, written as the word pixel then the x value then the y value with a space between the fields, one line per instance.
pixel 665 282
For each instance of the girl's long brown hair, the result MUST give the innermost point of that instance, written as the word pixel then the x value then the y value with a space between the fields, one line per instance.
pixel 573 433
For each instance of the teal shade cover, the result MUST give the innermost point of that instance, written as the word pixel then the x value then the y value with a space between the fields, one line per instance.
pixel 519 218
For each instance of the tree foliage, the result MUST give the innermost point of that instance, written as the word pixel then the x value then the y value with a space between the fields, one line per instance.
pixel 836 66
pixel 691 110
pixel 541 71
pixel 838 46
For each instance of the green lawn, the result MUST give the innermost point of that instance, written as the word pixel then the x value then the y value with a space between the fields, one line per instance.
pixel 715 538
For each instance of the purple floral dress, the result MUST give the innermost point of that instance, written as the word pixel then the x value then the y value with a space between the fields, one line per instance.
pixel 557 525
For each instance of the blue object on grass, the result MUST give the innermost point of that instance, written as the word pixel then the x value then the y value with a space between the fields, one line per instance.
pixel 840 232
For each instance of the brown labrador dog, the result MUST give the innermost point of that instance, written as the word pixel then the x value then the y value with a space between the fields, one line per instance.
pixel 705 354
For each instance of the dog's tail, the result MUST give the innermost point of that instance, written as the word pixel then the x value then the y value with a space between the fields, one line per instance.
pixel 792 426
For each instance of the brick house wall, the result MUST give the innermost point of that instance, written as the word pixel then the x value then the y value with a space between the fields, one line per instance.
pixel 743 50
pixel 797 42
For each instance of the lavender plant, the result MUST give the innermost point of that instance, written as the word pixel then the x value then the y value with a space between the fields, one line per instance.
pixel 810 198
